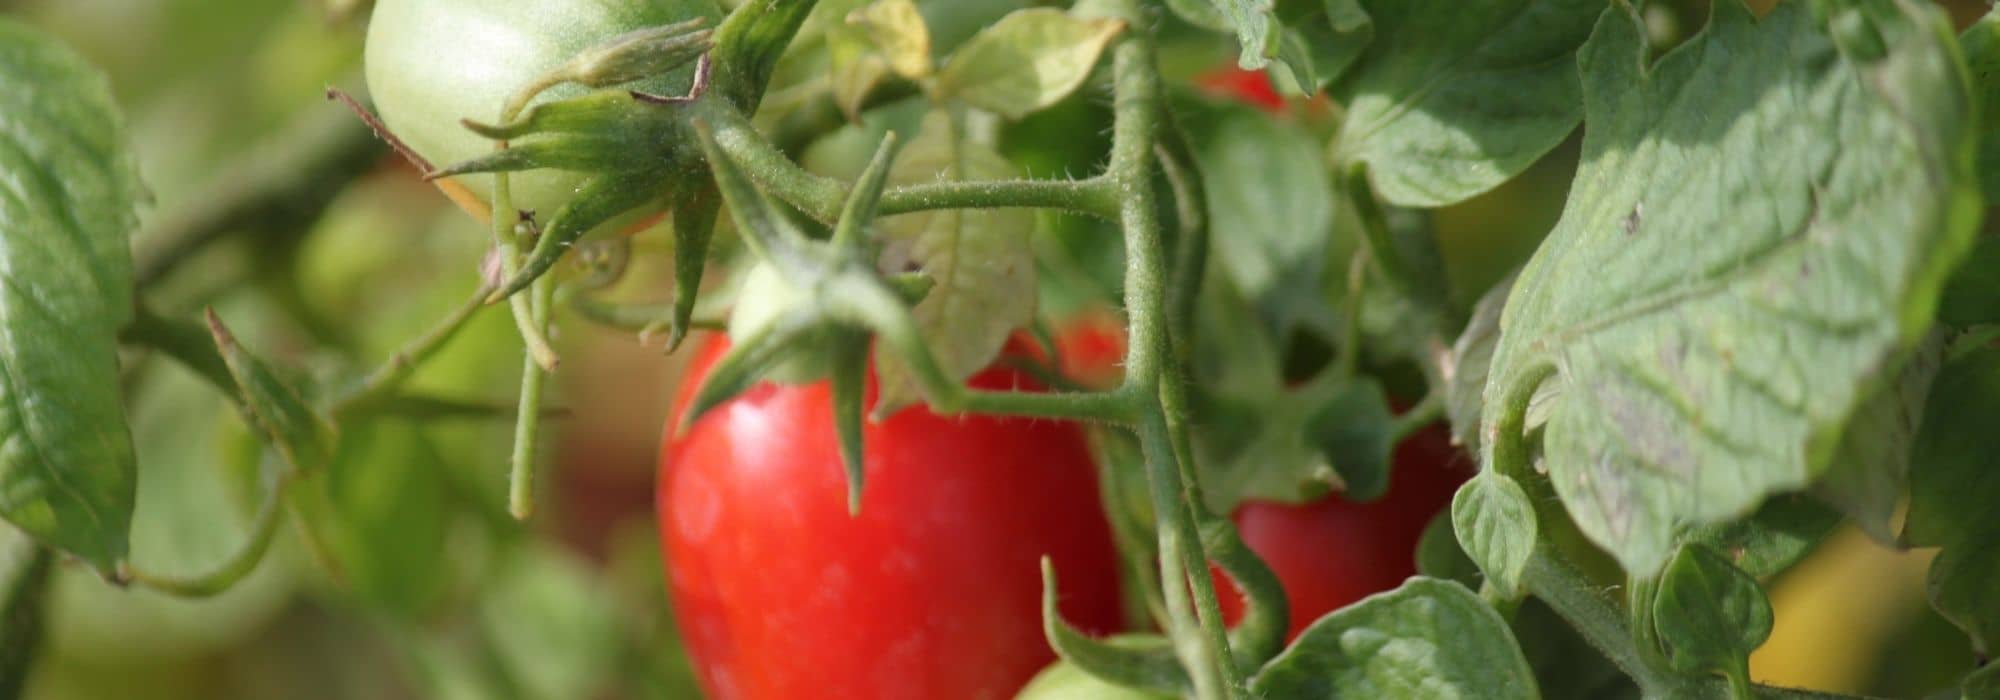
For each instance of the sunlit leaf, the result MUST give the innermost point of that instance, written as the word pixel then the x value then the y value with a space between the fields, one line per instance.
pixel 1733 276
pixel 1495 523
pixel 1028 60
pixel 1450 98
pixel 1427 639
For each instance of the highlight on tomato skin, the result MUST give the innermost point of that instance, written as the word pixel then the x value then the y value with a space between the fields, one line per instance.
pixel 932 591
pixel 1332 552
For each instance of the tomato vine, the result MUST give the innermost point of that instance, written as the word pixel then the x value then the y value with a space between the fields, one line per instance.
pixel 1641 393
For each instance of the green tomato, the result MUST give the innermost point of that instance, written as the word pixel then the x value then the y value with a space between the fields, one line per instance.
pixel 431 63
pixel 1063 681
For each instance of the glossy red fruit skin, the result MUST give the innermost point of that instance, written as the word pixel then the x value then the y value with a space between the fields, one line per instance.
pixel 1333 552
pixel 933 591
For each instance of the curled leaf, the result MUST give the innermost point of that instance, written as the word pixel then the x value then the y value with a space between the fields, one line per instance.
pixel 1028 60
pixel 1710 614
pixel 1144 662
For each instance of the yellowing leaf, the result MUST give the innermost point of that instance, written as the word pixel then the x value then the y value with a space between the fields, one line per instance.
pixel 854 67
pixel 1028 60
pixel 898 32
pixel 979 259
pixel 871 41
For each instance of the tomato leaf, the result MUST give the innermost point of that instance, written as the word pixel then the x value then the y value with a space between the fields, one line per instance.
pixel 1270 207
pixel 854 68
pixel 203 469
pixel 1428 638
pixel 301 434
pixel 25 566
pixel 874 39
pixel 1201 13
pixel 1451 99
pixel 982 260
pixel 1961 585
pixel 1351 427
pixel 1030 59
pixel 1981 45
pixel 1254 21
pixel 1710 614
pixel 1141 661
pixel 1260 634
pixel 1868 473
pixel 67 471
pixel 1708 356
pixel 896 30
pixel 1495 523
pixel 1953 487
pixel 1317 48
pixel 1952 480
pixel 1471 362
pixel 1973 295
pixel 1440 556
pixel 1782 532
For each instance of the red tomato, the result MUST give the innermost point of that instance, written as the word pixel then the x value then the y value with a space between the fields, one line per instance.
pixel 1092 346
pixel 933 591
pixel 1333 552
pixel 1252 87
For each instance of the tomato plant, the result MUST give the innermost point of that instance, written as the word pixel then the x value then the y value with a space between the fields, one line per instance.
pixel 1759 317
pixel 931 591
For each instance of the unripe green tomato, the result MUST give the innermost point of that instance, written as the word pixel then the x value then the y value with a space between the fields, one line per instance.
pixel 1064 681
pixel 431 63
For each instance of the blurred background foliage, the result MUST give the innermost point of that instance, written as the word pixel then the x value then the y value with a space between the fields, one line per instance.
pixel 402 575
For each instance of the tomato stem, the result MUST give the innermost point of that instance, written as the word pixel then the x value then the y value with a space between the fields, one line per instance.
pixel 820 197
pixel 528 421
pixel 385 379
pixel 1192 607
pixel 238 565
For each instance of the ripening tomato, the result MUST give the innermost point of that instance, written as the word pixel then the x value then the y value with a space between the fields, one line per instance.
pixel 1332 552
pixel 932 591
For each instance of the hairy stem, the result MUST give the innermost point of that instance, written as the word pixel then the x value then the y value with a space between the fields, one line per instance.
pixel 1192 607
pixel 821 197
pixel 384 380
pixel 528 421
